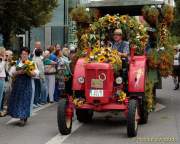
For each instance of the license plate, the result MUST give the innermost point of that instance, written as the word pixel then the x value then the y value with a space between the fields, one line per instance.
pixel 96 93
pixel 96 83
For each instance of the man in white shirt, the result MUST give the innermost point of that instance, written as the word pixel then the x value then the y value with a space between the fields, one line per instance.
pixel 37 46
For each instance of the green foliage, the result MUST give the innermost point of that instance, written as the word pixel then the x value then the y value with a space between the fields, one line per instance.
pixel 18 16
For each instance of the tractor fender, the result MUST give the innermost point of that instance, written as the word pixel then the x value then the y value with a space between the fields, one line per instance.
pixel 79 71
pixel 137 74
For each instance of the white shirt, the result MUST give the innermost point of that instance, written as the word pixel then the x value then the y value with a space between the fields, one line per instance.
pixel 2 69
pixel 176 59
pixel 40 66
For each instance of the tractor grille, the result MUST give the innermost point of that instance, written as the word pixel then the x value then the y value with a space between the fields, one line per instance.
pixel 97 75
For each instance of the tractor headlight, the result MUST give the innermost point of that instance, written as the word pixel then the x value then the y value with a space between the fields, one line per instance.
pixel 81 80
pixel 119 80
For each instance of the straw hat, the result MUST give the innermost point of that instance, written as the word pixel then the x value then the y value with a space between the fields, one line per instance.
pixel 118 32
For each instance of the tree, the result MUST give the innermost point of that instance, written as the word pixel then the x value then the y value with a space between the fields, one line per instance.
pixel 18 16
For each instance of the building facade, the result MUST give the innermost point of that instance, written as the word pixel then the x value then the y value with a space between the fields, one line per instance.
pixel 61 30
pixel 52 33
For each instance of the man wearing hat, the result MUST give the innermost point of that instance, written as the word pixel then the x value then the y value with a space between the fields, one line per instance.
pixel 119 44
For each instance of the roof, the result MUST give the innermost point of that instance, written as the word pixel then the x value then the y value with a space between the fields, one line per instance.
pixel 130 7
pixel 116 3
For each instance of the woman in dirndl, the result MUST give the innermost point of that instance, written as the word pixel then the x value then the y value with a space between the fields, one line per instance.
pixel 20 99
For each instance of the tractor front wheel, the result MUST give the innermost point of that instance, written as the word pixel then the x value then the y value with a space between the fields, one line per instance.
pixel 132 118
pixel 84 116
pixel 64 117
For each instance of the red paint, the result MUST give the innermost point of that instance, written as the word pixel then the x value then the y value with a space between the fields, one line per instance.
pixel 94 71
pixel 136 75
pixel 106 107
pixel 79 71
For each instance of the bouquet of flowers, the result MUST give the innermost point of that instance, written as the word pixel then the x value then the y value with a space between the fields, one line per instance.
pixel 28 66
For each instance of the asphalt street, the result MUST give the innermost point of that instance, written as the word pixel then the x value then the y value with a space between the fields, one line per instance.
pixel 163 126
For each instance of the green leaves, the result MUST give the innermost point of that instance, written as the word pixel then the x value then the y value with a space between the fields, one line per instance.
pixel 17 16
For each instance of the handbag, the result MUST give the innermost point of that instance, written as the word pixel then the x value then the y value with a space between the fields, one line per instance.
pixel 50 69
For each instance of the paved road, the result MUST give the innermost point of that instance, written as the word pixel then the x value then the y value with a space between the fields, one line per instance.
pixel 42 127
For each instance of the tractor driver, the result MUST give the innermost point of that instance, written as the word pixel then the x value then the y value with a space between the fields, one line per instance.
pixel 119 44
pixel 123 49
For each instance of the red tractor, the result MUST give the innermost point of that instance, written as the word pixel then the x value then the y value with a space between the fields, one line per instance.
pixel 97 86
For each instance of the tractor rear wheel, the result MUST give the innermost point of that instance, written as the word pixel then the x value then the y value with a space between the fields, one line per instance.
pixel 132 118
pixel 84 116
pixel 143 112
pixel 64 121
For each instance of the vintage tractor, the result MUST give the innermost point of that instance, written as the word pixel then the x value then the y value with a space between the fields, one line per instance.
pixel 96 89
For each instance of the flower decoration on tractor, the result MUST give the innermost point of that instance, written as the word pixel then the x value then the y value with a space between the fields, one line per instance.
pixel 160 57
pixel 105 55
pixel 133 31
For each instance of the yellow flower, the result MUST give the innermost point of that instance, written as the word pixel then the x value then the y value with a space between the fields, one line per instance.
pixel 123 19
pixel 130 24
pixel 103 52
pixel 112 60
pixel 85 49
pixel 101 59
pixel 97 44
pixel 111 19
pixel 114 52
pixel 27 62
pixel 122 96
pixel 108 50
pixel 96 49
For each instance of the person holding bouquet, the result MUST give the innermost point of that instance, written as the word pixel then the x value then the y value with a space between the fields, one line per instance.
pixel 20 99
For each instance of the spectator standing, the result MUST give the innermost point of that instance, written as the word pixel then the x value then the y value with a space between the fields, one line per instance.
pixel 58 46
pixel 8 83
pixel 21 96
pixel 2 75
pixel 176 68
pixel 37 45
pixel 38 80
pixel 60 85
pixel 35 82
pixel 50 72
pixel 73 57
pixel 52 56
pixel 67 71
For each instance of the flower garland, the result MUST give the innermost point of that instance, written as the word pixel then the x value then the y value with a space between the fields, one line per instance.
pixel 133 31
pixel 149 95
pixel 161 56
